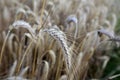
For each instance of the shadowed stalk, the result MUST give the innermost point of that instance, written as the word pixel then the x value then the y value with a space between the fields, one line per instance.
pixel 3 47
pixel 59 64
pixel 35 57
pixel 26 52
pixel 42 10
pixel 77 66
pixel 76 30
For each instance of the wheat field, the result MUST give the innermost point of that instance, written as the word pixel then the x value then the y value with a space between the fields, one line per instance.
pixel 56 39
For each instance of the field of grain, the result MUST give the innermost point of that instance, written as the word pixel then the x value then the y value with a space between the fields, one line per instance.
pixel 57 39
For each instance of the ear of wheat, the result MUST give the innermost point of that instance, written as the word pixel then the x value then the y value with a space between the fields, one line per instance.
pixel 72 18
pixel 61 38
pixel 107 33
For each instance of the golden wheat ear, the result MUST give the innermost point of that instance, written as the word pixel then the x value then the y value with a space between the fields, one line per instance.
pixel 20 14
pixel 21 23
pixel 107 33
pixel 111 36
pixel 57 34
pixel 72 18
